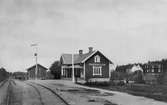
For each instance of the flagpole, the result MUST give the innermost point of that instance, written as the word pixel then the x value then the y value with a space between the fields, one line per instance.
pixel 36 59
pixel 73 71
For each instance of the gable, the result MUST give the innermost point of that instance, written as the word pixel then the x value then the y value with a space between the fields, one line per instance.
pixel 33 67
pixel 67 58
pixel 96 53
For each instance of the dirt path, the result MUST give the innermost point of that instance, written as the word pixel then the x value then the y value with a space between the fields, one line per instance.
pixel 33 94
pixel 22 93
pixel 78 96
pixel 3 93
pixel 112 96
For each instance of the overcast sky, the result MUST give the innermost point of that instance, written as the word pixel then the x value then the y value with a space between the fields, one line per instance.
pixel 126 31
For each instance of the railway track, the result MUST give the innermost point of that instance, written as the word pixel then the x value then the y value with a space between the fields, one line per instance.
pixel 9 92
pixel 32 84
pixel 3 83
pixel 40 97
pixel 10 98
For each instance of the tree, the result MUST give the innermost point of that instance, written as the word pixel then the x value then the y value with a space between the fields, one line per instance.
pixel 3 74
pixel 114 75
pixel 162 78
pixel 55 70
pixel 118 75
pixel 137 76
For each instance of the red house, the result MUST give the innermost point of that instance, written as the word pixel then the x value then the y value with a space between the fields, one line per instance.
pixel 91 66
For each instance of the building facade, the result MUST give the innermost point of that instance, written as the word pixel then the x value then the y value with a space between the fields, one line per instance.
pixel 91 66
pixel 130 73
pixel 153 71
pixel 20 75
pixel 41 72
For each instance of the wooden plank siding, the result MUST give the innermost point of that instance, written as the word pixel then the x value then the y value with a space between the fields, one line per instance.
pixel 89 67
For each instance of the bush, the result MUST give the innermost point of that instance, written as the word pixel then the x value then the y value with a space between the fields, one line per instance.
pixel 121 83
pixel 97 83
pixel 55 70
pixel 117 83
pixel 3 74
pixel 117 75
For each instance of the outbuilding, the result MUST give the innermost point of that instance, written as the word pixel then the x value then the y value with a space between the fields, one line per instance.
pixel 40 74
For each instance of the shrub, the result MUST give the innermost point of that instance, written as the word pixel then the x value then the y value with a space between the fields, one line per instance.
pixel 97 83
pixel 117 83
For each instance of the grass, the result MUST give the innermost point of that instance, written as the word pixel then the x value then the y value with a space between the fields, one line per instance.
pixel 157 92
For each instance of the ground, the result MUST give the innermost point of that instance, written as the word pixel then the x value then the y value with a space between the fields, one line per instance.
pixel 50 92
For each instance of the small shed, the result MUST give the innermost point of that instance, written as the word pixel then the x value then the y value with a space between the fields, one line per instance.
pixel 41 72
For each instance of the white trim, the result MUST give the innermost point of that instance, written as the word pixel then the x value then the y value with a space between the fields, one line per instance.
pixel 93 54
pixel 97 59
pixel 109 70
pixel 88 56
pixel 75 66
pixel 152 70
pixel 99 80
pixel 84 71
pixel 62 58
pixel 61 70
pixel 98 72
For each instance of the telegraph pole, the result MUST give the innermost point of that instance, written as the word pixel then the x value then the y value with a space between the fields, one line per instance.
pixel 73 71
pixel 36 59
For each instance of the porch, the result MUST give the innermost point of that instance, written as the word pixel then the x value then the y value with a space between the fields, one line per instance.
pixel 66 71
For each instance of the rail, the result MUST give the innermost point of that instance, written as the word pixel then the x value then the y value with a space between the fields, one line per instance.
pixel 52 91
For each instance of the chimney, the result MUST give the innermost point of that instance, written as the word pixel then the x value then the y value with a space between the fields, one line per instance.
pixel 80 52
pixel 90 49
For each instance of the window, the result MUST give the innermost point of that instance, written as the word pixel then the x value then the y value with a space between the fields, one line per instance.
pixel 159 68
pixel 152 70
pixel 97 70
pixel 63 71
pixel 97 58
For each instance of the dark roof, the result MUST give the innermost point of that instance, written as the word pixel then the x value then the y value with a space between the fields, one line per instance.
pixel 67 58
pixel 123 68
pixel 35 66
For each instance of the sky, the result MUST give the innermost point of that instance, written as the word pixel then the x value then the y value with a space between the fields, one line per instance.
pixel 126 31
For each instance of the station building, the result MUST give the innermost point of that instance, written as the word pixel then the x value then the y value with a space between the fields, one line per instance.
pixel 90 67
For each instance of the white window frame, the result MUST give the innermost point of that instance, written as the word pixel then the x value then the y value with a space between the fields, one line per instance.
pixel 152 70
pixel 97 58
pixel 147 70
pixel 63 72
pixel 97 70
pixel 159 68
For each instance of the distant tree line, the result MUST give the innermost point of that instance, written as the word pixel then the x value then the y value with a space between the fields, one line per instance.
pixel 122 74
pixel 136 76
pixel 3 74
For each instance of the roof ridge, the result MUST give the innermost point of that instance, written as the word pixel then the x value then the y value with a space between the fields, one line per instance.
pixel 78 58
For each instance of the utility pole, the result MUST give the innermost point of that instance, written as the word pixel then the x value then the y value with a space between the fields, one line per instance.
pixel 73 71
pixel 36 59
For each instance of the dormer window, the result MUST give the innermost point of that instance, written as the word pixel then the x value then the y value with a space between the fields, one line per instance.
pixel 97 58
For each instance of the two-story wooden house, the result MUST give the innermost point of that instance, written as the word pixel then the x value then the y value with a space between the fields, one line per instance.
pixel 152 71
pixel 91 66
